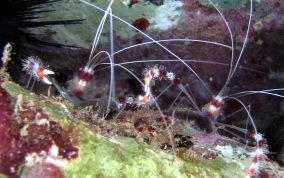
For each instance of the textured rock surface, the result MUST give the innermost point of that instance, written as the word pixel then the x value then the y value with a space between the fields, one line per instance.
pixel 77 151
pixel 97 155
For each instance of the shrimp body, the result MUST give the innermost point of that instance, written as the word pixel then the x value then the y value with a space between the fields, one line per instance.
pixel 81 81
pixel 213 108
pixel 34 67
pixel 151 74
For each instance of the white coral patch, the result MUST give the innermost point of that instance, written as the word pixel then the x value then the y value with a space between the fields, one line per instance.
pixel 166 15
pixel 42 122
pixel 170 76
pixel 233 155
pixel 52 156
pixel 156 72
pixel 24 130
pixel 32 159
pixel 126 2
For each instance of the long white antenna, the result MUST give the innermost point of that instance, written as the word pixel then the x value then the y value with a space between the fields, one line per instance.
pixel 99 31
pixel 245 42
pixel 232 42
pixel 112 81
pixel 150 38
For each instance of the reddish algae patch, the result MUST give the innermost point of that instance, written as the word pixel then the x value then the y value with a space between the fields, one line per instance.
pixel 141 23
pixel 25 129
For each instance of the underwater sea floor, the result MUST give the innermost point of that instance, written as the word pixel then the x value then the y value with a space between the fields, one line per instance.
pixel 45 136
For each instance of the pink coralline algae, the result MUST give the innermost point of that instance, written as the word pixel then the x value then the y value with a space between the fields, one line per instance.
pixel 207 24
pixel 5 137
pixel 26 129
pixel 43 170
pixel 270 15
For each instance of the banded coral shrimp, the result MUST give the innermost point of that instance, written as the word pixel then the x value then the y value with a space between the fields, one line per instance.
pixel 146 72
pixel 155 70
pixel 217 101
pixel 78 89
pixel 213 108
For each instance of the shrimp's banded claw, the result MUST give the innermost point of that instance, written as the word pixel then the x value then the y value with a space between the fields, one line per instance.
pixel 257 156
pixel 34 67
pixel 156 72
pixel 42 75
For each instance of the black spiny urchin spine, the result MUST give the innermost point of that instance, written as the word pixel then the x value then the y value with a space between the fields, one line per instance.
pixel 18 15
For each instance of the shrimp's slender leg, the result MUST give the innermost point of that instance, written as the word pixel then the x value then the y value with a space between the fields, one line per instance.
pixel 111 53
pixel 247 122
pixel 156 104
pixel 29 81
pixel 177 105
pixel 175 100
pixel 33 84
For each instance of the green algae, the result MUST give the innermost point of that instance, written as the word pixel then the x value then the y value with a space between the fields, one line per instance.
pixel 56 111
pixel 82 34
pixel 122 156
pixel 15 90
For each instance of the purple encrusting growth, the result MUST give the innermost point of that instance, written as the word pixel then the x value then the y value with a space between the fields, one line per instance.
pixel 44 171
pixel 28 129
pixel 206 23
pixel 5 136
